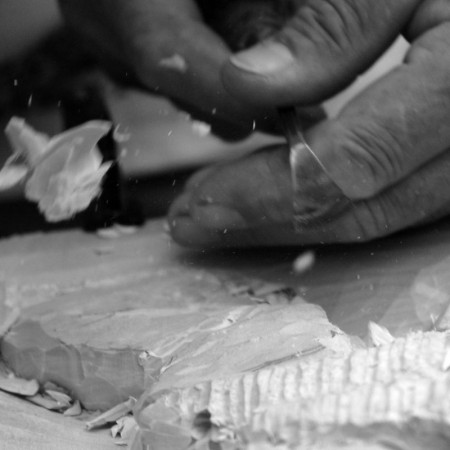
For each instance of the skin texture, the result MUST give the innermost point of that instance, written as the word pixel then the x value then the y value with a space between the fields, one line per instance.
pixel 387 150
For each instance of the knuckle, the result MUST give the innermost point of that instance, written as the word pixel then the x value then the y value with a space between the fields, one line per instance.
pixel 373 219
pixel 332 24
pixel 375 159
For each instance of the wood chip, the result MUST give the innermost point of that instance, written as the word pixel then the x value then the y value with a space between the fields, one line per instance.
pixel 45 401
pixel 379 335
pixel 74 410
pixel 112 414
pixel 123 430
pixel 60 397
pixel 18 386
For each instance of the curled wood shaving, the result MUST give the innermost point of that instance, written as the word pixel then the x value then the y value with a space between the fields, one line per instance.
pixel 112 414
pixel 62 174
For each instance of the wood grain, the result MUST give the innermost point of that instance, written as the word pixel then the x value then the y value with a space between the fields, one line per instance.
pixel 401 282
pixel 24 426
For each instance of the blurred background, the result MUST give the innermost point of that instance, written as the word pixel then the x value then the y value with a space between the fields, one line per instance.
pixel 48 78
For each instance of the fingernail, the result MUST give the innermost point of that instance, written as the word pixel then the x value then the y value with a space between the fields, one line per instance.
pixel 219 217
pixel 265 58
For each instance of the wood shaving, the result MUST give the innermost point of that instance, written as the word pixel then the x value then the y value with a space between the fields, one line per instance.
pixel 379 335
pixel 74 410
pixel 112 414
pixel 19 386
pixel 46 402
pixel 61 398
pixel 62 174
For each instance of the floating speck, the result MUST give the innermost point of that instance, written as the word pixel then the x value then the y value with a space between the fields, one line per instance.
pixel 304 262
pixel 201 129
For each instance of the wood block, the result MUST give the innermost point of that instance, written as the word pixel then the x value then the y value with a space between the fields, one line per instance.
pixel 106 327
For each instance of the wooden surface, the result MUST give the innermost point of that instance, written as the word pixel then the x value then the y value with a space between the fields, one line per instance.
pixel 24 426
pixel 401 282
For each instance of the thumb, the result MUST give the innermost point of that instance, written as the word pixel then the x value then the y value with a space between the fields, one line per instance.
pixel 321 49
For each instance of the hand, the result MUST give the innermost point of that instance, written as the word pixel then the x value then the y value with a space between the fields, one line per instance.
pixel 169 48
pixel 387 150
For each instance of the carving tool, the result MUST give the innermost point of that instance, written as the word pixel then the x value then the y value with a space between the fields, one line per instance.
pixel 317 197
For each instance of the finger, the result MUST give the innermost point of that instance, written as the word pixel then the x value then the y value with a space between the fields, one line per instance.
pixel 168 48
pixel 194 180
pixel 394 126
pixel 319 51
pixel 250 192
pixel 415 200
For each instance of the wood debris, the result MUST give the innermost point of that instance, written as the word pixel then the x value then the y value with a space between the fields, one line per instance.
pixel 124 429
pixel 295 405
pixel 379 335
pixel 46 402
pixel 112 414
pixel 19 386
pixel 74 410
pixel 60 397
pixel 264 292
pixel 61 174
